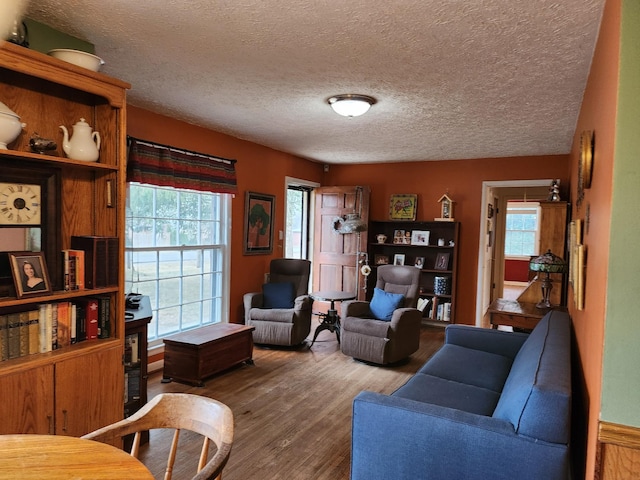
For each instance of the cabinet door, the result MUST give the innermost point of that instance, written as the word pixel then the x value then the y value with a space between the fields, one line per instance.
pixel 27 401
pixel 89 392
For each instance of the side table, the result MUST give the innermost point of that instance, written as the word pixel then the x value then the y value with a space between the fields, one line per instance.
pixel 516 314
pixel 330 320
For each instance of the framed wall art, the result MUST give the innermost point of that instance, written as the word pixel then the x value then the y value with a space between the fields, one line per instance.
pixel 403 207
pixel 258 223
pixel 29 272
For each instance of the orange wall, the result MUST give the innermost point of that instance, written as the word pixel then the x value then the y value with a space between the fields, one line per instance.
pixel 462 180
pixel 259 169
pixel 598 113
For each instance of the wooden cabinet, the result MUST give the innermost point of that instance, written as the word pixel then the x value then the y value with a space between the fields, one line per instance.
pixel 76 388
pixel 136 358
pixel 553 230
pixel 430 246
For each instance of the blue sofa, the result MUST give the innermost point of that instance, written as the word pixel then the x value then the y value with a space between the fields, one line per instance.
pixel 488 405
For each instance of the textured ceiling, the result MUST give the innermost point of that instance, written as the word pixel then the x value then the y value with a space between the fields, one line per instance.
pixel 454 79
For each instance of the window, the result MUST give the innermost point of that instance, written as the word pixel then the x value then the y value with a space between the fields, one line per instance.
pixel 522 233
pixel 177 253
pixel 297 226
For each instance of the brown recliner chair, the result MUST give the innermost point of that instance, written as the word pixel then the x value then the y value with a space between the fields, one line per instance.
pixel 281 313
pixel 367 338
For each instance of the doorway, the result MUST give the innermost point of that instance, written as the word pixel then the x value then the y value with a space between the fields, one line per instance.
pixel 495 195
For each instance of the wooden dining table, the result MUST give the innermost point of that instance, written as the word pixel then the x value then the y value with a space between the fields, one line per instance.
pixel 60 457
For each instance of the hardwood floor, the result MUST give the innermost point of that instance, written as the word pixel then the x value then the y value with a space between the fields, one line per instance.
pixel 292 410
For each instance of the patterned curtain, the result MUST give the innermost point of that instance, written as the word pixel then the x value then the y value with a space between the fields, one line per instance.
pixel 167 166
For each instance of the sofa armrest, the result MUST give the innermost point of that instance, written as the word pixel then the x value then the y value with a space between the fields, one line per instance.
pixel 502 343
pixel 251 300
pixel 395 437
pixel 303 302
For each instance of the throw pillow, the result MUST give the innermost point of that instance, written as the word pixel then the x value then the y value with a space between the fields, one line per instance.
pixel 384 303
pixel 278 295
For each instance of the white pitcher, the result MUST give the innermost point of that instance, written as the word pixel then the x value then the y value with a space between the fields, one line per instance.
pixel 85 144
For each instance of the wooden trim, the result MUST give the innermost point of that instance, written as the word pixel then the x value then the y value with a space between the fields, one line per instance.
pixel 622 435
pixel 36 64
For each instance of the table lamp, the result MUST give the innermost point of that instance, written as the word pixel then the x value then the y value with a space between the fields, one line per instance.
pixel 547 263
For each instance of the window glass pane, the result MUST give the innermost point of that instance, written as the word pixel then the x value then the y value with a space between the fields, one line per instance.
pixel 166 203
pixel 189 233
pixel 176 252
pixel 521 237
pixel 168 321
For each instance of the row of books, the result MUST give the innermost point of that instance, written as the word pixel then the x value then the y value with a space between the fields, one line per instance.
pixel 442 309
pixel 54 325
pixel 91 262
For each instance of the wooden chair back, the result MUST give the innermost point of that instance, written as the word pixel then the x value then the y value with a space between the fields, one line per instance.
pixel 180 411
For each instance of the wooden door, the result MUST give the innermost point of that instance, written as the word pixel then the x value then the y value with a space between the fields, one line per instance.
pixel 334 255
pixel 27 401
pixel 89 392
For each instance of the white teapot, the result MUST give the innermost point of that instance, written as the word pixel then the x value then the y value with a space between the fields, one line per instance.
pixel 85 144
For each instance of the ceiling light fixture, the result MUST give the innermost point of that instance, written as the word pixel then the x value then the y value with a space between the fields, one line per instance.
pixel 351 105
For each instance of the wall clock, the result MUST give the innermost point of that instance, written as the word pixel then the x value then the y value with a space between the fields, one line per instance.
pixel 39 232
pixel 20 204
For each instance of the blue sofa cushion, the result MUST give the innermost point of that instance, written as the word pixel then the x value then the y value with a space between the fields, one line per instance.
pixel 466 365
pixel 383 304
pixel 278 295
pixel 536 397
pixel 447 393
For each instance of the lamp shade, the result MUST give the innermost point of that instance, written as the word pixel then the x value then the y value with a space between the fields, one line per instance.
pixel 548 263
pixel 351 105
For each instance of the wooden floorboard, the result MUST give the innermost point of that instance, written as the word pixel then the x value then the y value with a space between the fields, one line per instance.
pixel 292 410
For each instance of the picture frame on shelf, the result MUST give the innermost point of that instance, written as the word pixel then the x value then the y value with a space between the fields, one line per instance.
pixel 442 261
pixel 29 271
pixel 381 259
pixel 398 259
pixel 258 223
pixel 419 262
pixel 420 237
pixel 399 237
pixel 403 206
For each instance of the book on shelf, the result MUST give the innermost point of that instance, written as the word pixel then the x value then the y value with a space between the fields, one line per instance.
pixel 13 334
pixel 100 259
pixel 73 269
pixel 34 331
pixel 104 318
pixel 73 324
pixel 54 326
pixel 64 324
pixel 4 345
pixel 91 318
pixel 81 326
pixel 24 334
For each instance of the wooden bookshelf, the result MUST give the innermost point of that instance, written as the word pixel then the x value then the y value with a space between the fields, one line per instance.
pixel 78 388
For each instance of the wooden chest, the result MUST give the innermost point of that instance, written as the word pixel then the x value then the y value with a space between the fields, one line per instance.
pixel 190 357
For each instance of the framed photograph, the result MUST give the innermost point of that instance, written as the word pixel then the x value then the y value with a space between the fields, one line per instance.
pixel 442 261
pixel 419 263
pixel 258 223
pixel 420 237
pixel 381 259
pixel 398 259
pixel 29 272
pixel 398 236
pixel 403 207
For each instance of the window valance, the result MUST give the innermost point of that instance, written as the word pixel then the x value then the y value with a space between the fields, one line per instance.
pixel 163 165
